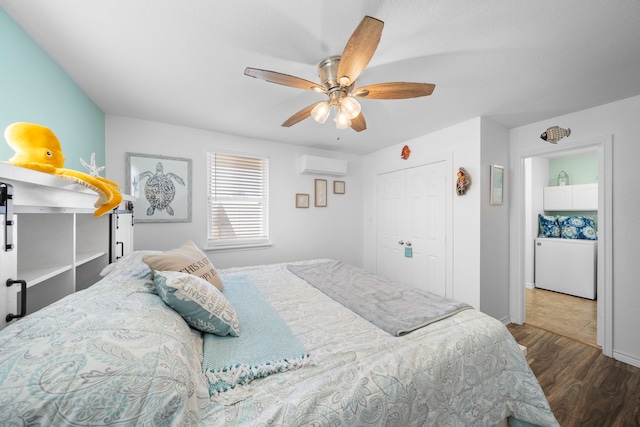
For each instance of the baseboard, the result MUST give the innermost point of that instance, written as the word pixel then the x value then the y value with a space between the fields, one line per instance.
pixel 505 320
pixel 626 358
pixel 530 286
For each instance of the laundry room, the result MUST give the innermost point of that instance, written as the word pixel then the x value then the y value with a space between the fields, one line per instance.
pixel 561 260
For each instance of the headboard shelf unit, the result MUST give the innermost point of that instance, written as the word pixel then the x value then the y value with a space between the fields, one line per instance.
pixel 51 240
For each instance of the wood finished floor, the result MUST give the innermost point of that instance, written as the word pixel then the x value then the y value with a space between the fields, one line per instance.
pixel 583 387
pixel 565 315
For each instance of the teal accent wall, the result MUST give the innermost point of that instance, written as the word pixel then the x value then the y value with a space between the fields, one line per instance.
pixel 34 88
pixel 582 168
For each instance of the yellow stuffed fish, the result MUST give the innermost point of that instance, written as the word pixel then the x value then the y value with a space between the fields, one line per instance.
pixel 37 147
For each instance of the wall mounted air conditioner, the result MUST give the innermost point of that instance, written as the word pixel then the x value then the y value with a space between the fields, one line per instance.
pixel 312 165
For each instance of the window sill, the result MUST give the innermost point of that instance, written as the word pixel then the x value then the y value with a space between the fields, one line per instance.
pixel 241 247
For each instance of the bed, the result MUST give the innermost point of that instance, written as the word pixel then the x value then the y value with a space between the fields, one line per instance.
pixel 116 354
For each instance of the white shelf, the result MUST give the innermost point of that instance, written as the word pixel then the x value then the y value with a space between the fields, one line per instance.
pixel 35 275
pixel 85 257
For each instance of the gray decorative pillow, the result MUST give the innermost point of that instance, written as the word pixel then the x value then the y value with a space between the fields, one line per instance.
pixel 199 303
pixel 186 259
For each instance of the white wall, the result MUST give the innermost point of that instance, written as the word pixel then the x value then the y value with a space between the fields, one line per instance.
pixel 297 234
pixel 494 221
pixel 619 119
pixel 460 144
pixel 538 173
pixel 478 231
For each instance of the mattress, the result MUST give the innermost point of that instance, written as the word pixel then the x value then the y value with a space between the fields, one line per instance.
pixel 114 354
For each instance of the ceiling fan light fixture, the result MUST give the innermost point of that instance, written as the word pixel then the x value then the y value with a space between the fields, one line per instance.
pixel 320 112
pixel 342 121
pixel 338 76
pixel 345 81
pixel 350 106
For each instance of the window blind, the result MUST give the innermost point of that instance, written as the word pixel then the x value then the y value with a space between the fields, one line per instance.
pixel 238 199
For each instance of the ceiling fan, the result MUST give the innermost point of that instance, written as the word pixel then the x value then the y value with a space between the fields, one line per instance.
pixel 338 75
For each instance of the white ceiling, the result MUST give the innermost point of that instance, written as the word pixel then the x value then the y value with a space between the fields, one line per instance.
pixel 182 62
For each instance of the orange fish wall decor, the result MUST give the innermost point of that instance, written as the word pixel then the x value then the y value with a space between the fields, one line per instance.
pixel 405 152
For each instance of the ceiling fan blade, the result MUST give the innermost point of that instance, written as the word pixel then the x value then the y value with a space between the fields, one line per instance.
pixel 396 90
pixel 300 115
pixel 358 124
pixel 283 79
pixel 359 50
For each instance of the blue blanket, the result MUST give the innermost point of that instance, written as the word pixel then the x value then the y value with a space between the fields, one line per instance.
pixel 265 346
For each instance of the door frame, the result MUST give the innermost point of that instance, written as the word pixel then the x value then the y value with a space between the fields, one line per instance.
pixel 447 158
pixel 603 144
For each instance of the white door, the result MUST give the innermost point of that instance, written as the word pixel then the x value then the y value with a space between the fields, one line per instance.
pixel 390 206
pixel 411 243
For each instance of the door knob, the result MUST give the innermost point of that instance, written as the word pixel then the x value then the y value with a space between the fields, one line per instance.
pixel 408 243
pixel 401 242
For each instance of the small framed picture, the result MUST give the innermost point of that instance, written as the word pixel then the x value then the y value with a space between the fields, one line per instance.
pixel 338 187
pixel 302 200
pixel 497 185
pixel 320 193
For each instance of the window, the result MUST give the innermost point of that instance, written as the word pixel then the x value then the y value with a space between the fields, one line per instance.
pixel 238 200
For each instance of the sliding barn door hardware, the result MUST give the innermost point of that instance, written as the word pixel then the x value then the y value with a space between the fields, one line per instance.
pixel 23 299
pixel 6 202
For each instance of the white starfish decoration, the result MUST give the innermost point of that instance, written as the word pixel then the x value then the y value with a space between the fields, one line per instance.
pixel 92 168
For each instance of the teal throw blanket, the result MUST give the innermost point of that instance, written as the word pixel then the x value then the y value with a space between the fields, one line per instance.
pixel 265 346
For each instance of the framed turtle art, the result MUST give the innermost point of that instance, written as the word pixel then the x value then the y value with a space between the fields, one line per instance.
pixel 162 187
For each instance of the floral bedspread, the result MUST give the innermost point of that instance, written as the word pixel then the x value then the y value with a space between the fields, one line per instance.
pixel 114 354
pixel 466 370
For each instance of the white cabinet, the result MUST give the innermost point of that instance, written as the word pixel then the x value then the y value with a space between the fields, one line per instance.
pixel 50 239
pixel 582 197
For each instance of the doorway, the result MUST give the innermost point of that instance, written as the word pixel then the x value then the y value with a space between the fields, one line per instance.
pixel 519 229
pixel 558 297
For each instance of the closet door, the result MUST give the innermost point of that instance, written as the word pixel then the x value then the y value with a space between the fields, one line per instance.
pixel 411 226
pixel 390 229
pixel 427 185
